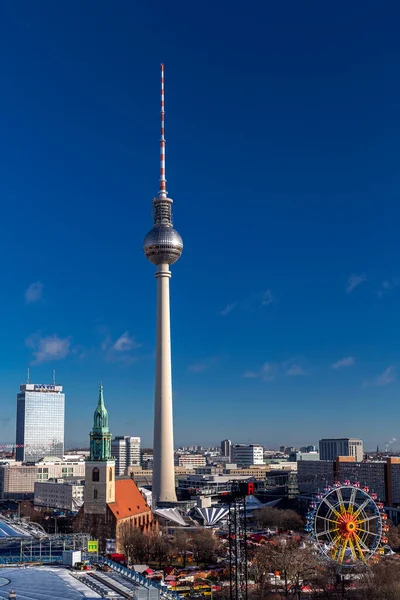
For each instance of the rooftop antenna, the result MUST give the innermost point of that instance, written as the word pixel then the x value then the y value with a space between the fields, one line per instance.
pixel 54 377
pixel 28 379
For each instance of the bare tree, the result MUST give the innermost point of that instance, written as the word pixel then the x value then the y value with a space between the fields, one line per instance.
pixel 160 547
pixel 135 543
pixel 181 544
pixel 204 546
pixel 281 519
pixel 294 560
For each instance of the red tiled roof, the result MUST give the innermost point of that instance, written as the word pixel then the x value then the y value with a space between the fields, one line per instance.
pixel 128 500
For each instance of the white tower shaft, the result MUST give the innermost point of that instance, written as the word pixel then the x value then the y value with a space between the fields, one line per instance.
pixel 163 464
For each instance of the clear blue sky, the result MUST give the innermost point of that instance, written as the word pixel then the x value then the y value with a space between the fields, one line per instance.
pixel 283 162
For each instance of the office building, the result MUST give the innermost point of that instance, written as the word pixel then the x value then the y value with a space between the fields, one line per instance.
pixel 17 480
pixel 126 452
pixel 190 460
pixel 226 448
pixel 40 422
pixel 59 493
pixel 382 477
pixel 163 246
pixel 330 449
pixel 245 455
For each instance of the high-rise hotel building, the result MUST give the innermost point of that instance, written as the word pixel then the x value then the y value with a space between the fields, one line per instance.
pixel 40 422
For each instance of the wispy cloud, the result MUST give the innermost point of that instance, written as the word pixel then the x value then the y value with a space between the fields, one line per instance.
pixel 295 370
pixel 203 364
pixel 388 376
pixel 34 292
pixel 48 348
pixel 254 301
pixel 267 372
pixel 354 281
pixel 348 361
pixel 228 308
pixel 267 298
pixel 387 286
pixel 120 350
pixel 270 371
pixel 125 343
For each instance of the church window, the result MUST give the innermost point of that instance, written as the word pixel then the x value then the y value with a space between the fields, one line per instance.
pixel 95 474
pixel 95 494
pixel 110 474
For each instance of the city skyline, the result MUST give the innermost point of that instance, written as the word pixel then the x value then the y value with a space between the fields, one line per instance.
pixel 278 136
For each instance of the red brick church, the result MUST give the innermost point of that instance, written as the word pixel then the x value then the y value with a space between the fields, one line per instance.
pixel 110 507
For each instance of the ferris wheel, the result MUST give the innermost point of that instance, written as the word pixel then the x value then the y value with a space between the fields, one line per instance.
pixel 347 523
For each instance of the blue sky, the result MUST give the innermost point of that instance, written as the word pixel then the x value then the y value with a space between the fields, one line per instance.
pixel 282 130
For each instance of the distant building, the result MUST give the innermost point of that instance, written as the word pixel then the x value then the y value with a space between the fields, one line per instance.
pixel 40 422
pixel 308 449
pixel 126 451
pixel 245 455
pixel 190 460
pixel 306 455
pixel 382 477
pixel 58 493
pixel 17 480
pixel 146 459
pixel 226 448
pixel 330 449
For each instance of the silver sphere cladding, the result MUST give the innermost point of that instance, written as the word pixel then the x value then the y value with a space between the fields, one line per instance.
pixel 163 244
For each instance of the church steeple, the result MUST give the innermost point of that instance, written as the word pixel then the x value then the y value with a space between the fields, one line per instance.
pixel 100 437
pixel 100 417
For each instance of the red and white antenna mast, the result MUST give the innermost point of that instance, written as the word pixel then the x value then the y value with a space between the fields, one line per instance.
pixel 163 182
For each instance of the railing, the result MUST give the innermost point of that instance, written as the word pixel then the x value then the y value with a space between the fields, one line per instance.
pixel 139 579
pixel 17 558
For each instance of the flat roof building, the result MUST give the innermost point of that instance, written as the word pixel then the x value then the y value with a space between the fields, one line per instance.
pixel 331 448
pixel 40 421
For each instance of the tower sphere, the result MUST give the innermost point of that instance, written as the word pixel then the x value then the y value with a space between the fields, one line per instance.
pixel 163 244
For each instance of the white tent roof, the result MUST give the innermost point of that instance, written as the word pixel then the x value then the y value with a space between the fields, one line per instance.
pixel 171 514
pixel 212 515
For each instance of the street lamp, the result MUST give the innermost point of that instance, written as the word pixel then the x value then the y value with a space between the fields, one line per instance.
pixel 208 581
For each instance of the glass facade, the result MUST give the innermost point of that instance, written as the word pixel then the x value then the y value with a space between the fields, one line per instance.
pixel 40 422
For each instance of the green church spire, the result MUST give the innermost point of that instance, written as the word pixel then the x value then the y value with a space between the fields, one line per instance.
pixel 100 417
pixel 100 437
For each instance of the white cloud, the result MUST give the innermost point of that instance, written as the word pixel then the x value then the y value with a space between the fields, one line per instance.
pixel 295 370
pixel 48 348
pixel 270 371
pixel 267 372
pixel 388 376
pixel 254 301
pixel 228 308
pixel 34 292
pixel 354 281
pixel 348 361
pixel 120 350
pixel 125 343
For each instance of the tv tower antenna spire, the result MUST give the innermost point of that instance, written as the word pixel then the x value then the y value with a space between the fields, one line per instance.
pixel 162 193
pixel 163 246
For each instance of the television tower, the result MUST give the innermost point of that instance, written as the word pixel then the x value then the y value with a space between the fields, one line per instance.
pixel 162 247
